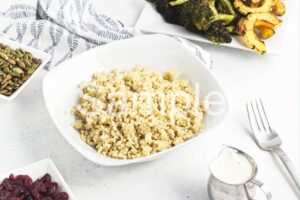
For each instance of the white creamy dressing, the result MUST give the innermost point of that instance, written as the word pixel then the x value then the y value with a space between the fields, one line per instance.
pixel 232 167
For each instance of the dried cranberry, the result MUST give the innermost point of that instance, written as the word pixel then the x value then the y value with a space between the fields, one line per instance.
pixel 46 198
pixel 11 177
pixel 23 188
pixel 46 178
pixel 7 184
pixel 40 186
pixel 27 181
pixel 61 196
pixel 4 194
pixel 26 196
pixel 52 188
pixel 35 194
pixel 19 190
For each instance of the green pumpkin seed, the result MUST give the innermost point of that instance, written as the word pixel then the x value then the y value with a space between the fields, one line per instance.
pixel 29 55
pixel 3 55
pixel 14 53
pixel 17 71
pixel 11 61
pixel 30 70
pixel 16 84
pixel 27 62
pixel 9 88
pixel 25 56
pixel 19 55
pixel 5 64
pixel 3 85
pixel 7 51
pixel 21 64
pixel 16 66
pixel 6 69
pixel 4 91
pixel 34 60
pixel 25 78
pixel 6 79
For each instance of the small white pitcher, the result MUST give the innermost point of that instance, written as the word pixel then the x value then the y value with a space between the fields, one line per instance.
pixel 219 190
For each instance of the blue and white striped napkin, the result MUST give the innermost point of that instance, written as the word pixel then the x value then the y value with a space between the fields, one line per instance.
pixel 65 28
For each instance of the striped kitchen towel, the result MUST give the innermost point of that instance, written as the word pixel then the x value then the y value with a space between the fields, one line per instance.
pixel 65 28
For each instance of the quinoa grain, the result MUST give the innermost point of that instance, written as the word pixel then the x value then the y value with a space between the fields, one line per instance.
pixel 144 127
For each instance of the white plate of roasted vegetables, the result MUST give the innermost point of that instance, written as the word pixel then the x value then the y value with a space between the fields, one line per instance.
pixel 255 25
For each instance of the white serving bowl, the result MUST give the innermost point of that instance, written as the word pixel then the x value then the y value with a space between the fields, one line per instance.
pixel 38 170
pixel 45 57
pixel 159 52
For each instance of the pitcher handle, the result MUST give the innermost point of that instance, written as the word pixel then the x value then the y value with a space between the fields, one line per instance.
pixel 260 185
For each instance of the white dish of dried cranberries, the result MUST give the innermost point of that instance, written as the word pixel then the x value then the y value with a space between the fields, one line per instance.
pixel 38 181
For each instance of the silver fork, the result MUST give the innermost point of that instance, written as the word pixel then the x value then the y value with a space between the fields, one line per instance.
pixel 266 137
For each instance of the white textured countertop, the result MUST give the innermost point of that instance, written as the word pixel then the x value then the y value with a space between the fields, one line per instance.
pixel 27 134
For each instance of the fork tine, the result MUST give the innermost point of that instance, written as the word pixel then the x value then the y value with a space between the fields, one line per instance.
pixel 266 121
pixel 260 115
pixel 256 116
pixel 251 117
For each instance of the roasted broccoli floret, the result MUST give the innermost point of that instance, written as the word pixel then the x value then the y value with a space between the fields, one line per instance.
pixel 201 13
pixel 195 15
pixel 233 27
pixel 170 13
pixel 225 17
pixel 200 16
pixel 225 7
pixel 218 33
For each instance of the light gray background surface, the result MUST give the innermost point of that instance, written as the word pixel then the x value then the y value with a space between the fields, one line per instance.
pixel 27 133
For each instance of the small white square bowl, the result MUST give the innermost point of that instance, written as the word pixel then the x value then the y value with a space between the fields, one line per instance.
pixel 39 169
pixel 159 52
pixel 45 57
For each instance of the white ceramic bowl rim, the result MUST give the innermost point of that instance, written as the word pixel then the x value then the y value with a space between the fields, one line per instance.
pixel 133 42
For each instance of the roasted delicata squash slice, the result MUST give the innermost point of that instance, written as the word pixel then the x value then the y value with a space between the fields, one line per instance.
pixel 265 32
pixel 263 6
pixel 265 28
pixel 247 27
pixel 279 8
pixel 255 1
pixel 263 23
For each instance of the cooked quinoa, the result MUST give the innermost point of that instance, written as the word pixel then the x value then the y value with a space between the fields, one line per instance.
pixel 146 125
